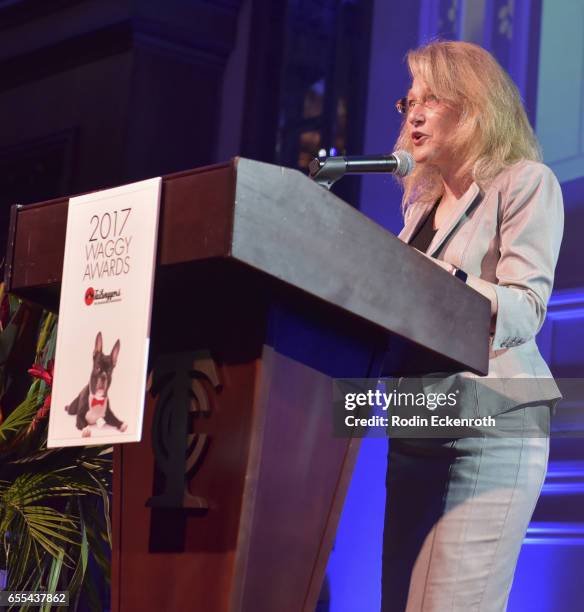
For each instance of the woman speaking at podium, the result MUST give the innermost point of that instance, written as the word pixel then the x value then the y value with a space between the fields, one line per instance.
pixel 481 204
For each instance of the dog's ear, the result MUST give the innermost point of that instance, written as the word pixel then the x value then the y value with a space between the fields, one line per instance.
pixel 115 352
pixel 98 343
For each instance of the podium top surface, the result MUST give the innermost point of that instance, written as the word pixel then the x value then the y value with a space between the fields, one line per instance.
pixel 279 222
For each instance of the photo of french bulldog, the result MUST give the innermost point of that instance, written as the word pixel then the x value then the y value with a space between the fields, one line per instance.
pixel 92 405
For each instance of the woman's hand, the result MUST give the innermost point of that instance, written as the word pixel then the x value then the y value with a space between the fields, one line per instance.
pixel 478 284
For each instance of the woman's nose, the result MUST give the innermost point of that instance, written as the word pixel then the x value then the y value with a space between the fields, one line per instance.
pixel 416 114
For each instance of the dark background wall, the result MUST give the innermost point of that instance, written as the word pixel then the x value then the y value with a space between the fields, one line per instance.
pixel 95 93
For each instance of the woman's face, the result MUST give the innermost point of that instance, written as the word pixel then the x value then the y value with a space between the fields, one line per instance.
pixel 430 125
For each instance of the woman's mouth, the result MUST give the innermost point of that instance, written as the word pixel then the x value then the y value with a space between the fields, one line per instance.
pixel 419 138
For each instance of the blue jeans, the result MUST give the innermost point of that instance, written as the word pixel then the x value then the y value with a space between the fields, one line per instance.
pixel 456 514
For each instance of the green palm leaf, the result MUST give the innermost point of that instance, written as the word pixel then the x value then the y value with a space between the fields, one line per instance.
pixel 53 581
pixel 54 503
pixel 21 417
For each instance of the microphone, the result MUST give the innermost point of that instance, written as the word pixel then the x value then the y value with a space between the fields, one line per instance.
pixel 327 170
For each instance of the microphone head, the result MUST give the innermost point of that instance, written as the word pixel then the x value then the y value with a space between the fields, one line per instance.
pixel 405 163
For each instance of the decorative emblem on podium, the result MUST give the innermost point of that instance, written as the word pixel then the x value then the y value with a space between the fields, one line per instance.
pixel 177 380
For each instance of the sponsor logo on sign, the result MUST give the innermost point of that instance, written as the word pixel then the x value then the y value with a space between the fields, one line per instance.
pixel 99 296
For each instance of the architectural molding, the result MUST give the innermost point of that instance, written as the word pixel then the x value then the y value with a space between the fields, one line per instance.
pixel 80 36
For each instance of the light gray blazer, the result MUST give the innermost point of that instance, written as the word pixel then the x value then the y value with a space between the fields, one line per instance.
pixel 509 235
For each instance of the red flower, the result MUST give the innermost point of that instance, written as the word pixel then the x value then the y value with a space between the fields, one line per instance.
pixel 38 371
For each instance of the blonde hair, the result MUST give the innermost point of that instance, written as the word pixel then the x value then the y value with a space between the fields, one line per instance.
pixel 493 130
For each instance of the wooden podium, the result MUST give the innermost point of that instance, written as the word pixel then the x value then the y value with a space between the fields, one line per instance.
pixel 267 288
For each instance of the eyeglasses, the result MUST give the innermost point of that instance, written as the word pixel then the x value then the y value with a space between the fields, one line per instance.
pixel 405 105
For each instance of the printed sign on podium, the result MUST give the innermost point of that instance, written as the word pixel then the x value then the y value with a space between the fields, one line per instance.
pixel 104 316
